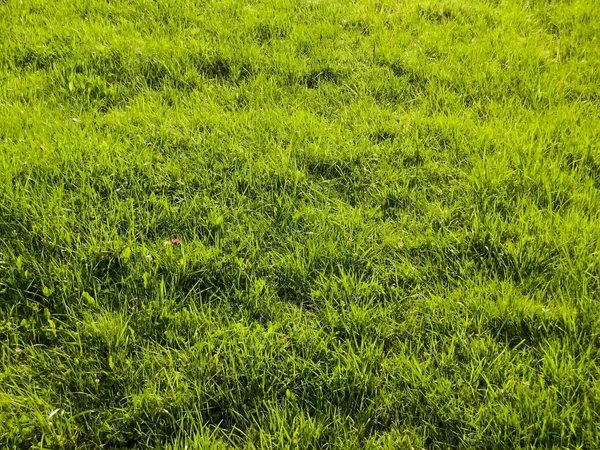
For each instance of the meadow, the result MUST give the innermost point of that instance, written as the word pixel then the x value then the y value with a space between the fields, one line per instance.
pixel 299 224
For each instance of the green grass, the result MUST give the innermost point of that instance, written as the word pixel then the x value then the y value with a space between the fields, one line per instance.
pixel 388 214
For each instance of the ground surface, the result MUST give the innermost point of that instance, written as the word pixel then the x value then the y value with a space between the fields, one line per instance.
pixel 387 214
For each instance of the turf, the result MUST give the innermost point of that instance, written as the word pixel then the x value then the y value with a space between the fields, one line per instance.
pixel 307 224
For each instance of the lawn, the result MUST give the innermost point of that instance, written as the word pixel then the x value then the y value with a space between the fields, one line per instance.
pixel 299 224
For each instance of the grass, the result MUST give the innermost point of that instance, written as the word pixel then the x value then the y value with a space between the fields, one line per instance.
pixel 387 212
